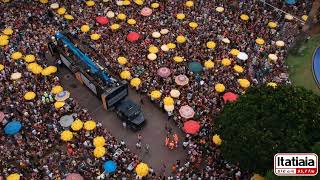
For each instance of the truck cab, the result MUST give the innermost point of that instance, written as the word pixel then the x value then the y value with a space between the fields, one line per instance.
pixel 131 113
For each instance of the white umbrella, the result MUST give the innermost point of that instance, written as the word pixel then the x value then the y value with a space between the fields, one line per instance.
pixel 243 56
pixel 174 93
pixel 66 121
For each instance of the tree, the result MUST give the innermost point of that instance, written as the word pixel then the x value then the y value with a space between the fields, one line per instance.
pixel 266 121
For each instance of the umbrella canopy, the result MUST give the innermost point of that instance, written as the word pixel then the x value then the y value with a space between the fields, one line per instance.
pixel 29 95
pixel 164 72
pixel 142 169
pixel 235 52
pixel 102 20
pixel 90 3
pixel 99 141
pixel 135 82
pixel 181 80
pixel 12 127
pixel 133 36
pixel 175 93
pixel 209 64
pixel 155 94
pixel 169 108
pixel 191 127
pixel 14 176
pixel 1 67
pixel 66 135
pixel 181 39
pixel 242 56
pixel 131 21
pixel 89 125
pixel 56 89
pixel 226 62
pixel 122 60
pixel 15 76
pixel 95 36
pixel 229 96
pixel 186 112
pixel 180 16
pixel 110 166
pixel 271 84
pixel 195 67
pixel 244 83
pixel 62 96
pixel 54 6
pixel 66 120
pixel 219 87
pixel 29 58
pixel 7 31
pixel 4 42
pixel 74 176
pixel 99 152
pixel 168 101
pixel 1 116
pixel 280 43
pixel 77 125
pixel 216 139
pixel 85 28
pixel 152 56
pixel 146 11
pixel 16 55
pixel 58 104
pixel 238 68
pixel 125 74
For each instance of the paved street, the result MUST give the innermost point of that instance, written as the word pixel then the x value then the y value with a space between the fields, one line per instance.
pixel 153 133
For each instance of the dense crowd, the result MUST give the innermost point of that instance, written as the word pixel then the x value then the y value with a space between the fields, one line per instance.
pixel 34 23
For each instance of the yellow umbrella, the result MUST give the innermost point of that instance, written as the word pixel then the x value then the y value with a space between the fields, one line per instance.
pixel 51 69
pixel 44 1
pixel 155 5
pixel 244 17
pixel 90 3
pixel 45 72
pixel 171 45
pixel 142 169
pixel 272 24
pixel 126 2
pixel 77 125
pixel 135 82
pixel 234 52
pixel 189 3
pixel 125 74
pixel 14 176
pixel 115 26
pixel 85 28
pixel 6 1
pixel 131 21
pixel 304 17
pixel 89 125
pixel 59 104
pixel 155 94
pixel 37 70
pixel 1 67
pixel 211 44
pixel 209 64
pixel 139 2
pixel 280 43
pixel 31 66
pixel 66 135
pixel 29 95
pixel 122 60
pixel 244 83
pixel 153 49
pixel 168 101
pixel 152 56
pixel 16 55
pixel 61 11
pixel 216 139
pixel 95 36
pixel 272 84
pixel 56 89
pixel 181 39
pixel 4 42
pixel 238 68
pixel 4 37
pixel 180 16
pixel 258 177
pixel 29 58
pixel 178 59
pixel 226 62
pixel 121 16
pixel 68 17
pixel 99 141
pixel 193 25
pixel 219 88
pixel 99 152
pixel 260 41
pixel 7 31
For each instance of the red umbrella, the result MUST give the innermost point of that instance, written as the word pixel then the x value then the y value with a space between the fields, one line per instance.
pixel 74 176
pixel 102 20
pixel 191 127
pixel 229 96
pixel 186 112
pixel 164 72
pixel 133 36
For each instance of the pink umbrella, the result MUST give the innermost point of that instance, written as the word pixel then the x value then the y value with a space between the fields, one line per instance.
pixel 74 176
pixel 146 11
pixel 102 20
pixel 133 36
pixel 1 116
pixel 181 80
pixel 186 112
pixel 229 96
pixel 164 72
pixel 191 127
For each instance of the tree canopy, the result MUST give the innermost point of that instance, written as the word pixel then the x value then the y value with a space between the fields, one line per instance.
pixel 266 121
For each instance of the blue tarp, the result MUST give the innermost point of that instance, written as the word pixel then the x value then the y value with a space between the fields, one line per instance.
pixel 316 66
pixel 110 166
pixel 12 128
pixel 291 2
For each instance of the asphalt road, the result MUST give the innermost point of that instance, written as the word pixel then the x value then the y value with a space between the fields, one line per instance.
pixel 153 132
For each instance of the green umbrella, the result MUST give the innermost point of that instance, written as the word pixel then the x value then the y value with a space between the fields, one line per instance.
pixel 195 67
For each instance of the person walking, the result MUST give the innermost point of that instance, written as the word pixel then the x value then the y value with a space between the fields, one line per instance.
pixel 147 148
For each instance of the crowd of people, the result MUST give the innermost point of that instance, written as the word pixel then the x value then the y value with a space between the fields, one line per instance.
pixel 37 151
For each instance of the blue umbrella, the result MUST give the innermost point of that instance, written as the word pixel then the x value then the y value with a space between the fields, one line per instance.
pixel 195 67
pixel 291 2
pixel 12 128
pixel 110 166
